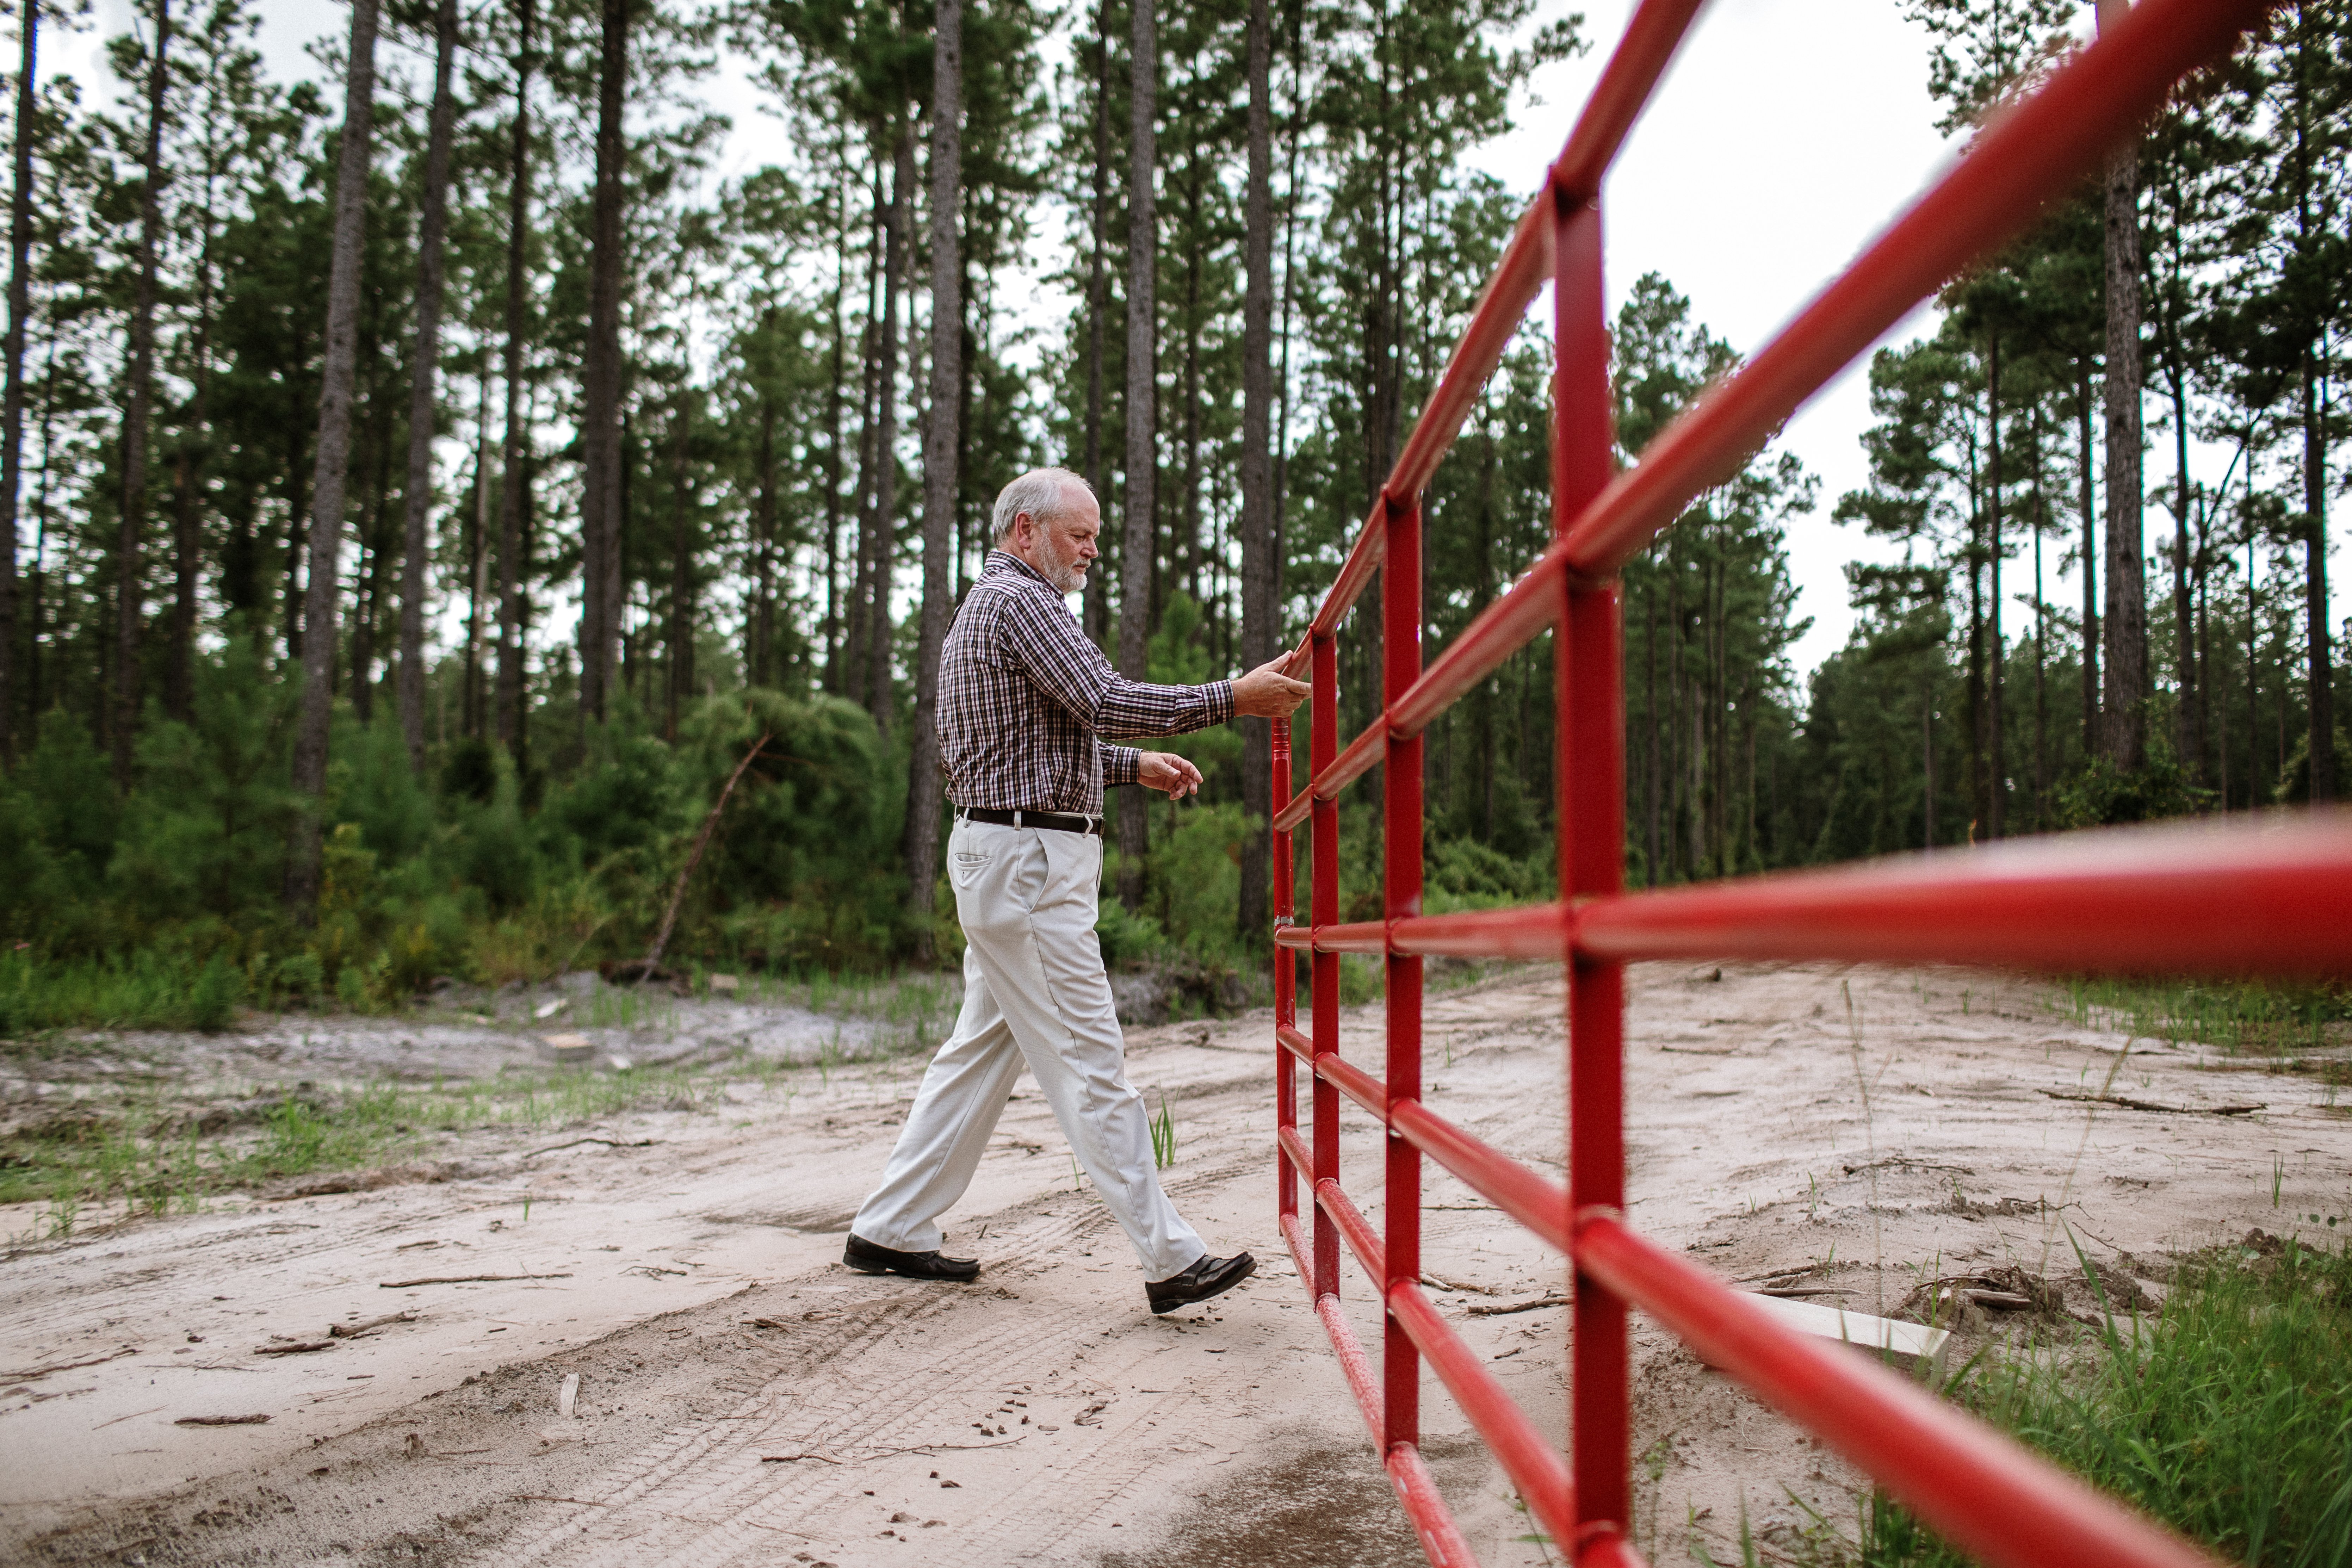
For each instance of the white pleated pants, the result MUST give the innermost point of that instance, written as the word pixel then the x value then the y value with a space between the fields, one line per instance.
pixel 1033 992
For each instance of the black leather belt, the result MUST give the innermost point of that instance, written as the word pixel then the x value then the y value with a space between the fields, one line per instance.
pixel 1063 821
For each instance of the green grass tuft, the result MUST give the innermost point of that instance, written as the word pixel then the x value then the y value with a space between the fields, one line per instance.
pixel 1163 1135
pixel 2229 1417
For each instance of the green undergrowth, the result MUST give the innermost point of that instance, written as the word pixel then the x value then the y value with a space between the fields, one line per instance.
pixel 143 991
pixel 2229 1416
pixel 144 1151
pixel 2244 1017
pixel 40 995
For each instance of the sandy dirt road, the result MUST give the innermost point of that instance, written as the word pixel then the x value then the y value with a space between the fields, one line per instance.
pixel 742 1399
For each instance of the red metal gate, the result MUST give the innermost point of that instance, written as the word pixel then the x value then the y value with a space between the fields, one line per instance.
pixel 2270 899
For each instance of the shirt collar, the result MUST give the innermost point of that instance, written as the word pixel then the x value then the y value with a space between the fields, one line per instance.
pixel 1006 561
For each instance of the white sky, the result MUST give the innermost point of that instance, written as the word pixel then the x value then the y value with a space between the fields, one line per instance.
pixel 1785 137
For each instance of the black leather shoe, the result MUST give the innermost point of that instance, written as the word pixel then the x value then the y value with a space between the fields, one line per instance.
pixel 1209 1277
pixel 868 1258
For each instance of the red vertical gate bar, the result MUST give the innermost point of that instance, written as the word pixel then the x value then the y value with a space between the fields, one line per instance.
pixel 1323 909
pixel 1286 994
pixel 1400 899
pixel 1589 748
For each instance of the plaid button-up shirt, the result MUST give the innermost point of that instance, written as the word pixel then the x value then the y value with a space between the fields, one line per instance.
pixel 1026 701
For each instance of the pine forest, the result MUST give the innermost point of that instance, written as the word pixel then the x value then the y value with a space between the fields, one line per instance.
pixel 457 527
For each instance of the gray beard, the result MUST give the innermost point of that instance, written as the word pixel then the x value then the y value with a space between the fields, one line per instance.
pixel 1066 576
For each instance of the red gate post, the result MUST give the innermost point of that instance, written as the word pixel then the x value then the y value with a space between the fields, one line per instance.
pixel 1590 766
pixel 1286 995
pixel 1323 909
pixel 1400 899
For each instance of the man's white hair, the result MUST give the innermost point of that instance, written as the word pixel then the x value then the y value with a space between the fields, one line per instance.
pixel 1043 494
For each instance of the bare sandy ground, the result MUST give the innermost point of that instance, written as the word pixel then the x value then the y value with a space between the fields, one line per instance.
pixel 742 1399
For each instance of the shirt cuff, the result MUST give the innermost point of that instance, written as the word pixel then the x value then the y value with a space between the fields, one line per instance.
pixel 1221 701
pixel 1120 765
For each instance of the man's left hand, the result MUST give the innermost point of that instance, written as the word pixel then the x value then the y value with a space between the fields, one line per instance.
pixel 1169 772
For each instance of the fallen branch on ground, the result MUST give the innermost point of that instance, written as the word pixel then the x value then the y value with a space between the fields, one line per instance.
pixel 864 1454
pixel 1440 1282
pixel 294 1347
pixel 465 1279
pixel 221 1421
pixel 574 1143
pixel 39 1372
pixel 1501 1308
pixel 356 1330
pixel 2130 1104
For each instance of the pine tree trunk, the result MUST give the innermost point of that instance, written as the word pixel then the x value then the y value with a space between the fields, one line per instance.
pixel 2311 235
pixel 1261 634
pixel 2041 655
pixel 130 548
pixel 1096 614
pixel 309 772
pixel 681 571
pixel 1656 867
pixel 298 431
pixel 2090 566
pixel 2321 678
pixel 188 472
pixel 365 619
pixel 1927 763
pixel 600 383
pixel 1142 409
pixel 424 380
pixel 2253 668
pixel 881 696
pixel 829 674
pixel 856 640
pixel 180 652
pixel 477 566
pixel 2124 727
pixel 943 448
pixel 513 460
pixel 761 655
pixel 12 380
pixel 1997 750
pixel 2189 731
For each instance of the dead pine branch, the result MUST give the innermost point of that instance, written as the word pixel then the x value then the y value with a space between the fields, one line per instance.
pixel 652 959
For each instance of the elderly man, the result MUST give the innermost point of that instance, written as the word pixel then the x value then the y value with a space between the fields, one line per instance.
pixel 1027 708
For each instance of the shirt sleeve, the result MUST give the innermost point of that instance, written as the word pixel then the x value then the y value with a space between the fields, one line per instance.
pixel 1120 765
pixel 1044 643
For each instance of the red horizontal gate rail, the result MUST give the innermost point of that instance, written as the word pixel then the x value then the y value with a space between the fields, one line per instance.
pixel 2271 898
